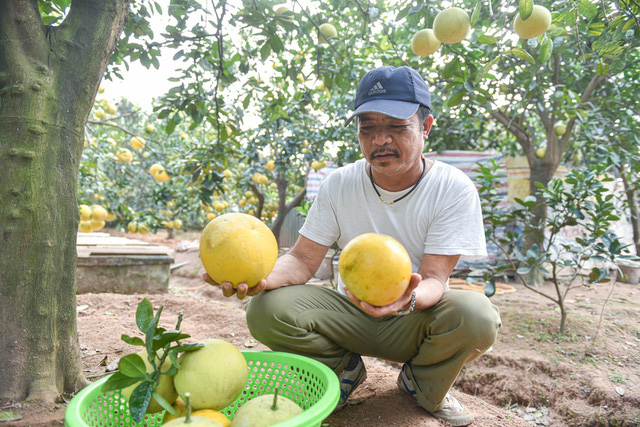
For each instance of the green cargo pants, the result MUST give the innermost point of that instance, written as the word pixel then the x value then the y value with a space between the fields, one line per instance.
pixel 324 325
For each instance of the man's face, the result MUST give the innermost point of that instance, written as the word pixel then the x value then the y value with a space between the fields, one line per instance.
pixel 392 146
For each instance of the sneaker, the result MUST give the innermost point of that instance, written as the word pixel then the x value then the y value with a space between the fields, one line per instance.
pixel 452 411
pixel 350 378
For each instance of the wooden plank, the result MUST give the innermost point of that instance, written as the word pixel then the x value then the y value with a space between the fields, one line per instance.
pixel 113 241
pixel 87 251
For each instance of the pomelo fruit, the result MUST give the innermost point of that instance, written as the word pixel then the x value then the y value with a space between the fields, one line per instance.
pixel 264 411
pixel 327 31
pixel 238 248
pixel 451 25
pixel 425 43
pixel 214 375
pixel 376 268
pixel 535 25
pixel 560 128
pixel 165 386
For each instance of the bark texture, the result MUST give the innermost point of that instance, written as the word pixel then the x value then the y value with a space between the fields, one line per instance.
pixel 49 77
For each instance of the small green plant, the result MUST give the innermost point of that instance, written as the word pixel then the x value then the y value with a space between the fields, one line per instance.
pixel 160 344
pixel 580 200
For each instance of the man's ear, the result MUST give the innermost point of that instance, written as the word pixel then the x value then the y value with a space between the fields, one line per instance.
pixel 426 126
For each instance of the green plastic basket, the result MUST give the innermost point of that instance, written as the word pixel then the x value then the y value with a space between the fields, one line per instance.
pixel 307 382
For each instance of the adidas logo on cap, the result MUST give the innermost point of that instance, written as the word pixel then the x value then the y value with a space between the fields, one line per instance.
pixel 377 89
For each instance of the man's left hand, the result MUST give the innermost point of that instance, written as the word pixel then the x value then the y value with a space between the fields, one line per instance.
pixel 379 311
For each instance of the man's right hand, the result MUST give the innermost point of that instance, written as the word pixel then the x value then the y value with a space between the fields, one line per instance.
pixel 241 292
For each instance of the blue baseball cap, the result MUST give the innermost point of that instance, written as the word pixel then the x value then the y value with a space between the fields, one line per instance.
pixel 392 91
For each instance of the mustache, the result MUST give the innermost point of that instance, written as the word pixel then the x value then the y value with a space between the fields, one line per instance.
pixel 383 152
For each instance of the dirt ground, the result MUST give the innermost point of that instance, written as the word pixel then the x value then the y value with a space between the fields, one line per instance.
pixel 532 376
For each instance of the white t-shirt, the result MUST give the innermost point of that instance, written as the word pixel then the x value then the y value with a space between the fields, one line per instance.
pixel 442 216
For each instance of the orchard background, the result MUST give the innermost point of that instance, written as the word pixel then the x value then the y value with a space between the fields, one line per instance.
pixel 257 99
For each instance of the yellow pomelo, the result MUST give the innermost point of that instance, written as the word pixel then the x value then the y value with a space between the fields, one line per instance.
pixel 124 155
pixel 214 375
pixel 210 216
pixel 219 206
pixel 177 224
pixel 259 412
pixel 85 226
pixel 137 142
pixel 238 248
pixel 535 25
pixel 162 176
pixel 99 114
pixel 213 415
pixel 150 128
pixel 451 25
pixel 143 228
pixel 111 217
pixel 227 173
pixel 425 43
pixel 375 268
pixel 155 168
pixel 85 212
pixel 194 422
pixel 271 165
pixel 541 152
pixel 99 213
pixel 132 227
pixel 96 224
pixel 165 386
pixel 327 31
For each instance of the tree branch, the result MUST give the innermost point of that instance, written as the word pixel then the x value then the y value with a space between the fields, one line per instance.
pixel 515 129
pixel 596 80
pixel 22 34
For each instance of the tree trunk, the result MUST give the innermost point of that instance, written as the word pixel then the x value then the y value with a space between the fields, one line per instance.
pixel 283 207
pixel 539 172
pixel 48 80
pixel 634 209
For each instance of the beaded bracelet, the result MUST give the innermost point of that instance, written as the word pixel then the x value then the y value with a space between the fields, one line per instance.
pixel 412 305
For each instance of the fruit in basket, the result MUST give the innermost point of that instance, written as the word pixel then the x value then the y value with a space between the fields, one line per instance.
pixel 265 410
pixel 375 268
pixel 165 386
pixel 238 248
pixel 181 408
pixel 214 375
pixel 191 419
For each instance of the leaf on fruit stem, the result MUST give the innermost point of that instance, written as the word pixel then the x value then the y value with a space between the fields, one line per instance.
pixel 118 381
pixel 521 53
pixel 132 340
pixel 166 405
pixel 132 366
pixel 144 314
pixel 139 400
pixel 525 8
pixel 476 13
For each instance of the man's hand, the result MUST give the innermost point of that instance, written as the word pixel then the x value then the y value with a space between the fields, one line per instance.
pixel 379 311
pixel 242 291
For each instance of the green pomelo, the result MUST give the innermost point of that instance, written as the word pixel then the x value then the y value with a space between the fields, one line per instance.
pixel 214 375
pixel 259 412
pixel 451 25
pixel 424 43
pixel 535 25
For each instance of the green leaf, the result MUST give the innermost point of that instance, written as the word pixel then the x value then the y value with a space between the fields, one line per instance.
pixel 525 8
pixel 132 340
pixel 144 313
pixel 166 405
pixel 476 13
pixel 167 337
pixel 455 99
pixel 132 366
pixel 521 53
pixel 490 288
pixel 544 53
pixel 602 68
pixel 139 400
pixel 485 39
pixel 587 9
pixel 450 68
pixel 118 381
pixel 151 331
pixel 9 416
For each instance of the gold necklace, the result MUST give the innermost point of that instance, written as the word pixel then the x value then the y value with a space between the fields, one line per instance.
pixel 424 168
